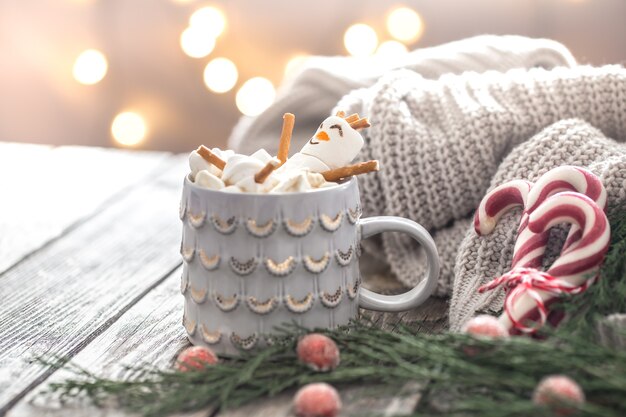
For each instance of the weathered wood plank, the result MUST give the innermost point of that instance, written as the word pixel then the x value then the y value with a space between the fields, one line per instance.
pixel 149 332
pixel 46 190
pixel 60 300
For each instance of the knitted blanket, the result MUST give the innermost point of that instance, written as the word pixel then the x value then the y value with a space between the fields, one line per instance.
pixel 314 88
pixel 444 143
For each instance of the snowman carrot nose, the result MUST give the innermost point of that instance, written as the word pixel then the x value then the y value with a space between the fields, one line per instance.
pixel 321 135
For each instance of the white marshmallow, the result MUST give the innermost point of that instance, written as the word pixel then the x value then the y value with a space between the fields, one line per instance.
pixel 341 146
pixel 197 163
pixel 250 186
pixel 232 189
pixel 262 155
pixel 300 162
pixel 207 180
pixel 296 183
pixel 239 167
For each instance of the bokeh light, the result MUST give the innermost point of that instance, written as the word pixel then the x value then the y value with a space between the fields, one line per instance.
pixel 255 95
pixel 209 19
pixel 294 63
pixel 128 128
pixel 220 75
pixel 197 42
pixel 405 24
pixel 360 40
pixel 391 49
pixel 90 67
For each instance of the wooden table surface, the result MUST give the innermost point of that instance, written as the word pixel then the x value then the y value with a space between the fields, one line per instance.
pixel 90 269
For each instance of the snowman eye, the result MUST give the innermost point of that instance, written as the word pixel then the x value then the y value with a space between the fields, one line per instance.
pixel 321 124
pixel 338 127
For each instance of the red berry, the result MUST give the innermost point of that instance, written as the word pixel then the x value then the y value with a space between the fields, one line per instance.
pixel 562 394
pixel 487 326
pixel 317 400
pixel 195 357
pixel 484 326
pixel 319 352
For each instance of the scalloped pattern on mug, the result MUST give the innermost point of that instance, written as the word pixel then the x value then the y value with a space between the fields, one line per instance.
pixel 244 343
pixel 299 306
pixel 183 283
pixel 196 220
pixel 316 266
pixel 354 214
pixel 243 267
pixel 198 295
pixel 344 258
pixel 263 230
pixel 331 300
pixel 187 253
pixel 209 262
pixel 210 337
pixel 224 303
pixel 262 307
pixel 299 229
pixel 182 209
pixel 353 290
pixel 330 224
pixel 190 325
pixel 280 269
pixel 225 227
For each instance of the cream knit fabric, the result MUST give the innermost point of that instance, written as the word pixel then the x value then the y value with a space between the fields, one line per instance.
pixel 568 142
pixel 312 90
pixel 441 144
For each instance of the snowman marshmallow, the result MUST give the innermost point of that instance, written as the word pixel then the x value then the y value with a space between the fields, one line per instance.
pixel 335 144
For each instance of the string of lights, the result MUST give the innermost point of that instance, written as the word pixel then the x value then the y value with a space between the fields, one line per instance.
pixel 221 75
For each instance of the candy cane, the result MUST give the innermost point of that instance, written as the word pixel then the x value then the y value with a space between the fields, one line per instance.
pixel 570 272
pixel 530 247
pixel 497 202
pixel 567 178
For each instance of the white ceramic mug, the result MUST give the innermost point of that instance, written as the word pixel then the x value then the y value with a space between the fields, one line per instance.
pixel 255 261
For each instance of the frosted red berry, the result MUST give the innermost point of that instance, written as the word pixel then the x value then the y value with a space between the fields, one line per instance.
pixel 317 400
pixel 487 326
pixel 559 392
pixel 319 352
pixel 196 357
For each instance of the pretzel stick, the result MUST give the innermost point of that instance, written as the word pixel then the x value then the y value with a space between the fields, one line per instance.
pixel 265 172
pixel 210 157
pixel 347 171
pixel 360 124
pixel 285 137
pixel 352 118
pixel 341 114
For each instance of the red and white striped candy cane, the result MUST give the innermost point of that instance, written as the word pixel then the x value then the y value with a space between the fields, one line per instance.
pixel 497 202
pixel 530 247
pixel 570 273
pixel 581 260
pixel 567 178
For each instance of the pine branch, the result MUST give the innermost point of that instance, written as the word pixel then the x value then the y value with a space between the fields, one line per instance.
pixel 498 381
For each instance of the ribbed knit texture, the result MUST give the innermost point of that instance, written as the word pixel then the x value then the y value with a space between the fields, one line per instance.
pixel 444 142
pixel 568 142
pixel 441 145
pixel 314 88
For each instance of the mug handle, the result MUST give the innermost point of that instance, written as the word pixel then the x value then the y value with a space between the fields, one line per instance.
pixel 417 295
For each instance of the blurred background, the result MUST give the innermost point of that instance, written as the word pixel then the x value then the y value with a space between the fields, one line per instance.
pixel 171 74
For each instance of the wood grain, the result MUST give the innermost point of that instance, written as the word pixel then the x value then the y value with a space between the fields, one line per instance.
pixel 149 332
pixel 60 300
pixel 46 190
